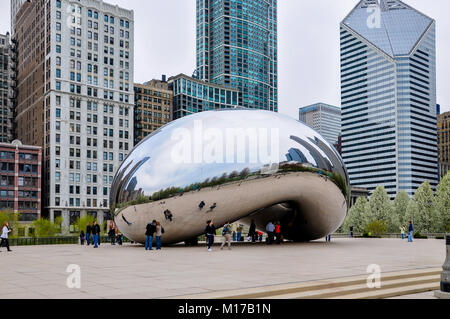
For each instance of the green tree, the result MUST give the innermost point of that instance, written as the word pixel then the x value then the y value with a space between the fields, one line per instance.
pixel 357 216
pixel 426 221
pixel 400 208
pixel 377 228
pixel 45 228
pixel 443 204
pixel 380 207
pixel 412 211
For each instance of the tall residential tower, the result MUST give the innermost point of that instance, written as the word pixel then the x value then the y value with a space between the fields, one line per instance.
pixel 76 99
pixel 237 48
pixel 388 84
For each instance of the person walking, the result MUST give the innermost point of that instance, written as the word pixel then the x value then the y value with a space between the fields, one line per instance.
pixel 158 233
pixel 5 235
pixel 403 231
pixel 210 232
pixel 239 232
pixel 88 234
pixel 96 234
pixel 150 231
pixel 270 229
pixel 82 238
pixel 411 232
pixel 278 233
pixel 226 233
pixel 252 231
pixel 112 235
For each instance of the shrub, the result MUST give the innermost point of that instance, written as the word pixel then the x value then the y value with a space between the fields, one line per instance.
pixel 44 228
pixel 418 235
pixel 377 228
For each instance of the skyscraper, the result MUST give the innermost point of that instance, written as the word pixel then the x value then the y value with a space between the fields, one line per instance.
pixel 388 84
pixel 324 118
pixel 7 91
pixel 76 99
pixel 237 48
pixel 152 108
pixel 444 143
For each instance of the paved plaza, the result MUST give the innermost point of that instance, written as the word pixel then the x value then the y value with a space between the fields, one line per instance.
pixel 131 272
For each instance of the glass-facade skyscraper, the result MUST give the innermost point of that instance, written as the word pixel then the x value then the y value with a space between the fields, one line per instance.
pixel 237 48
pixel 388 92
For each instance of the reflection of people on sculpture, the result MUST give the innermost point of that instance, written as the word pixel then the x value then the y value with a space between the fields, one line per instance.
pixel 168 215
pixel 212 207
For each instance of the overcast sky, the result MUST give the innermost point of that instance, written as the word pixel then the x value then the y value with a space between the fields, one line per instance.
pixel 308 38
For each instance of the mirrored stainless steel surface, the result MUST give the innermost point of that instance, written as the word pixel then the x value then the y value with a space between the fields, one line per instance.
pixel 227 166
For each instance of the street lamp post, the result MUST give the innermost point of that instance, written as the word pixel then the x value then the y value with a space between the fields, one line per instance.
pixel 444 293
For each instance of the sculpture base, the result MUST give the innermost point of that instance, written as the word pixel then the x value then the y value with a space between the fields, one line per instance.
pixel 441 295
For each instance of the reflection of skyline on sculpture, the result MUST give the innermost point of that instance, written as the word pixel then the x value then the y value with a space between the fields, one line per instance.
pixel 305 188
pixel 158 171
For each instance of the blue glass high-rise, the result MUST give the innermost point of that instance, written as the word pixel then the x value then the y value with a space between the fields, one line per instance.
pixel 237 48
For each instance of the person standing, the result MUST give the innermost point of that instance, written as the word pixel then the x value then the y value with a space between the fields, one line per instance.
pixel 159 231
pixel 112 235
pixel 411 232
pixel 239 232
pixel 210 232
pixel 351 231
pixel 227 229
pixel 328 238
pixel 270 228
pixel 95 233
pixel 252 231
pixel 5 235
pixel 403 231
pixel 150 231
pixel 82 238
pixel 233 227
pixel 88 234
pixel 278 233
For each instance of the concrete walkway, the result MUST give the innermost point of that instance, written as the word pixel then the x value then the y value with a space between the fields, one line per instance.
pixel 131 272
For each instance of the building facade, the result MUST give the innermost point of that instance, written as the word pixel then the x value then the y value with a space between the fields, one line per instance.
pixel 7 83
pixel 152 108
pixel 191 96
pixel 76 99
pixel 237 48
pixel 388 92
pixel 443 125
pixel 20 180
pixel 324 118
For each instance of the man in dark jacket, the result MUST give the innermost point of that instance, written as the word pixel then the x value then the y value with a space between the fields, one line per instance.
pixel 88 233
pixel 150 231
pixel 210 232
pixel 96 234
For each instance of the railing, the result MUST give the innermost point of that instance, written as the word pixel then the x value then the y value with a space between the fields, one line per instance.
pixel 397 236
pixel 42 241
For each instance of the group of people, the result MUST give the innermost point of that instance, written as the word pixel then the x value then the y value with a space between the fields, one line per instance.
pixel 410 232
pixel 230 233
pixel 153 229
pixel 92 235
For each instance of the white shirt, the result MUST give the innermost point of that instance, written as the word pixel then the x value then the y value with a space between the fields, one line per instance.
pixel 5 232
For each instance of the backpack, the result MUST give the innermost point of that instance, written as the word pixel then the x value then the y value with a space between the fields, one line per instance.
pixel 225 230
